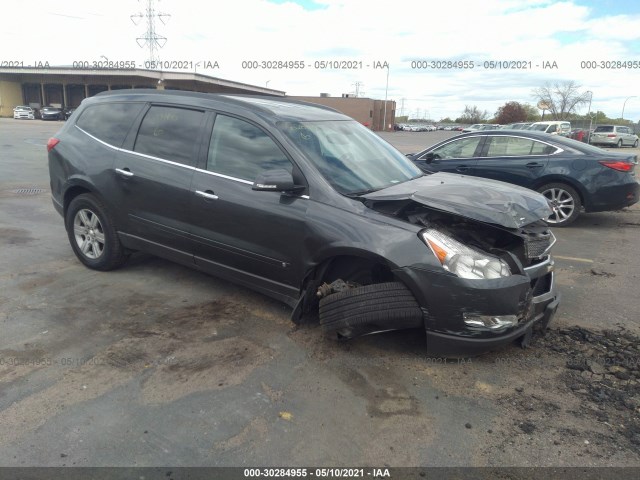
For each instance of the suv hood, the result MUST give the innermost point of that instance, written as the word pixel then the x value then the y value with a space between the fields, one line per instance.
pixel 488 201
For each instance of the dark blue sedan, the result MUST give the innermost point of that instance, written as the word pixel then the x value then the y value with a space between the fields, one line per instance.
pixel 572 175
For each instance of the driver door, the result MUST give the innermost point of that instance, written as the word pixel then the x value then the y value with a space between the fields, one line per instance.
pixel 252 237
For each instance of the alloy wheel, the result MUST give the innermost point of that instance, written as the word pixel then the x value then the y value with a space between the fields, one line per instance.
pixel 88 233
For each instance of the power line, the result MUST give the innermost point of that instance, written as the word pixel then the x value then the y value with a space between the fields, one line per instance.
pixel 151 39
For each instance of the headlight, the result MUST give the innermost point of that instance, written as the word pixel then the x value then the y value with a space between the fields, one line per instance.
pixel 464 261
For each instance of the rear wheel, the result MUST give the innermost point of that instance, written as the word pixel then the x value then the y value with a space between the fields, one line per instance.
pixel 619 144
pixel 565 202
pixel 635 144
pixel 368 309
pixel 92 233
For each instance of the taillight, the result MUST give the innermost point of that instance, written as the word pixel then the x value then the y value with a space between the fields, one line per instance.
pixel 617 165
pixel 52 142
pixel 611 135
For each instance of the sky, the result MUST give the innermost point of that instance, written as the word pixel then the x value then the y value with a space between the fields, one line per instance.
pixel 567 37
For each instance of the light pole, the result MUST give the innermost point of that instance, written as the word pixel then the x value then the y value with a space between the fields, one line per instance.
pixel 625 103
pixel 384 115
pixel 589 114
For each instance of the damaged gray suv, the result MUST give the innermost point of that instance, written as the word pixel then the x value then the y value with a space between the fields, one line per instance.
pixel 304 204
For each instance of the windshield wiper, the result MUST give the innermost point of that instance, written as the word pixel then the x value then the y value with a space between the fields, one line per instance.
pixel 363 192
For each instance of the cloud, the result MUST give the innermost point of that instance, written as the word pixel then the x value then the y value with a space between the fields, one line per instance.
pixel 566 32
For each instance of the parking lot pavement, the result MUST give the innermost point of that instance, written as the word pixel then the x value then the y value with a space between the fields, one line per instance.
pixel 156 364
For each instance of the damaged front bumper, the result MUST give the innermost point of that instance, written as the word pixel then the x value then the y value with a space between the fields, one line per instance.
pixel 467 317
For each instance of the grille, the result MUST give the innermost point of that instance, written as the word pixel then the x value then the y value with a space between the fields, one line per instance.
pixel 537 244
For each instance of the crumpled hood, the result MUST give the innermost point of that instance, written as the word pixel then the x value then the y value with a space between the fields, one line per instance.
pixel 476 198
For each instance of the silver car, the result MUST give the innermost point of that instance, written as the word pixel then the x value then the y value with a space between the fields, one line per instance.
pixel 614 136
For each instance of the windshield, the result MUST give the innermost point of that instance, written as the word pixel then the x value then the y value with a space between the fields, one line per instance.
pixel 353 159
pixel 541 127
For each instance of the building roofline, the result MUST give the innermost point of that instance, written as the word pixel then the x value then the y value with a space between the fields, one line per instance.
pixel 152 74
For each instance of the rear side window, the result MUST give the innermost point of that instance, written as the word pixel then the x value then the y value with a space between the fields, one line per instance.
pixel 242 150
pixel 516 147
pixel 170 133
pixel 604 128
pixel 110 122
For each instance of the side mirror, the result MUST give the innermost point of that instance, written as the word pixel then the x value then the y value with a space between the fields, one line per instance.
pixel 276 180
pixel 428 158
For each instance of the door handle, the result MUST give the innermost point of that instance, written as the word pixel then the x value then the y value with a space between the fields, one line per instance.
pixel 125 172
pixel 461 168
pixel 534 165
pixel 208 194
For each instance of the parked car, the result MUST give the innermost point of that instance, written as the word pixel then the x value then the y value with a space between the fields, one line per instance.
pixel 614 136
pixel 304 204
pixel 23 112
pixel 68 112
pixel 515 126
pixel 554 127
pixel 473 128
pixel 579 134
pixel 572 175
pixel 51 113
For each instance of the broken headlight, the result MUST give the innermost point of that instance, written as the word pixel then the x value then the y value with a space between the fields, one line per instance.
pixel 464 261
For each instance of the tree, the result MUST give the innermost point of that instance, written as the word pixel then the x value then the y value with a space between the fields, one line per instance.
pixel 446 120
pixel 472 114
pixel 561 99
pixel 533 115
pixel 510 112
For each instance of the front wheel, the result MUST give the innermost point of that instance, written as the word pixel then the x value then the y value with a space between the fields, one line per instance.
pixel 92 234
pixel 370 308
pixel 565 202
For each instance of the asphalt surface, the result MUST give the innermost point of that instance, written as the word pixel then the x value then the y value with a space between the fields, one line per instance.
pixel 155 364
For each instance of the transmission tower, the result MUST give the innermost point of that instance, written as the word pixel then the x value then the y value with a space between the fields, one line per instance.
pixel 151 39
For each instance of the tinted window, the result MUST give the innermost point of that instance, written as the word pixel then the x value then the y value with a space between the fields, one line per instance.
pixel 242 150
pixel 462 148
pixel 604 128
pixel 516 147
pixel 170 133
pixel 110 122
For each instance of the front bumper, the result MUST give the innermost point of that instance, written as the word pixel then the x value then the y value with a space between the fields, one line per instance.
pixel 446 300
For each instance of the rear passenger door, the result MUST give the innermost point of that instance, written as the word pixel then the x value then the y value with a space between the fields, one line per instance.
pixel 517 160
pixel 154 171
pixel 252 237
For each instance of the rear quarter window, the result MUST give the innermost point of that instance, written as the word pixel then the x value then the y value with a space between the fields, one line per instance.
pixel 110 122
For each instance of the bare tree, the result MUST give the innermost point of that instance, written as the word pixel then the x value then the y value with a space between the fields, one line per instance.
pixel 472 114
pixel 561 98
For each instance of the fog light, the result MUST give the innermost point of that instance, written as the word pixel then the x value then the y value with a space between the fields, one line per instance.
pixel 493 322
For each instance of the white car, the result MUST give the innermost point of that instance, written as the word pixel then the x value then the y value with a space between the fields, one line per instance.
pixel 22 111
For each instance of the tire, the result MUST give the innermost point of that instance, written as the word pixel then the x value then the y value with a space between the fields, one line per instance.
pixel 565 201
pixel 376 307
pixel 92 234
pixel 619 144
pixel 635 144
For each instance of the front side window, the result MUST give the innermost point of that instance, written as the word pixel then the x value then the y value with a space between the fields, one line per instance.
pixel 462 148
pixel 241 150
pixel 110 122
pixel 170 133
